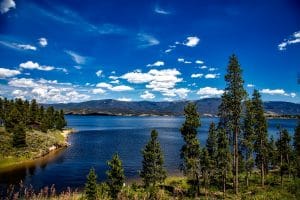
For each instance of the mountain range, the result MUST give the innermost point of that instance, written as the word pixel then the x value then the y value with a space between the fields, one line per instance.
pixel 206 107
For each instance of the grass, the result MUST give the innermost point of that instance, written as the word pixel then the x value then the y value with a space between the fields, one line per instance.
pixel 38 144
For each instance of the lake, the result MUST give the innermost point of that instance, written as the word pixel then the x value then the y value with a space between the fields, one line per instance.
pixel 99 137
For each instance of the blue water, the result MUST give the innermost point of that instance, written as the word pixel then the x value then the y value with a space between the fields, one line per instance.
pixel 99 137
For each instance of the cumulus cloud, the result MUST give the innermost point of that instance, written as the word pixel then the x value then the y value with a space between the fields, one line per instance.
pixel 43 42
pixel 163 81
pixel 76 57
pixel 293 39
pixel 199 62
pixel 6 5
pixel 182 60
pixel 156 64
pixel 147 95
pixel 98 91
pixel 277 92
pixel 191 41
pixel 5 73
pixel 211 69
pixel 196 75
pixel 26 47
pixel 147 40
pixel 46 91
pixel 118 88
pixel 208 92
pixel 99 73
pixel 35 65
pixel 212 76
pixel 203 67
pixel 124 99
pixel 250 85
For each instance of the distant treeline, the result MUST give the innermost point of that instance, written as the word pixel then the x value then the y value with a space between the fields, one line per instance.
pixel 19 115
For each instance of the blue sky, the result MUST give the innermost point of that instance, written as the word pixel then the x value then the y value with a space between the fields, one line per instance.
pixel 71 51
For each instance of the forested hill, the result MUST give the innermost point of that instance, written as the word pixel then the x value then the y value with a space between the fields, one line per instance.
pixel 207 107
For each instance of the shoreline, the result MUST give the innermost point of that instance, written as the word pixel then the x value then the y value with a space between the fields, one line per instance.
pixel 19 162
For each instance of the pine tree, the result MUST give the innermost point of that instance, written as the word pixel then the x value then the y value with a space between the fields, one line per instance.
pixel 223 158
pixel 297 147
pixel 50 117
pixel 34 110
pixel 248 139
pixel 272 153
pixel 115 175
pixel 230 110
pixel 206 167
pixel 261 137
pixel 91 185
pixel 190 151
pixel 19 135
pixel 212 148
pixel 285 153
pixel 13 118
pixel 59 121
pixel 153 171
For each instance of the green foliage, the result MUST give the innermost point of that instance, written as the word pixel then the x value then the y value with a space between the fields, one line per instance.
pixel 91 185
pixel 153 171
pixel 230 109
pixel 19 136
pixel 190 151
pixel 115 175
pixel 261 134
pixel 297 148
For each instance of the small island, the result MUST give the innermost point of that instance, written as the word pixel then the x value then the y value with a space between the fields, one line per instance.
pixel 29 131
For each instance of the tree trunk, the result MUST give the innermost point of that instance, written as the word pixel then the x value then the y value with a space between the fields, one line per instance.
pixel 224 185
pixel 247 179
pixel 262 174
pixel 236 164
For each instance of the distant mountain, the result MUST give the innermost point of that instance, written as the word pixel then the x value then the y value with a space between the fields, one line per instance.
pixel 208 107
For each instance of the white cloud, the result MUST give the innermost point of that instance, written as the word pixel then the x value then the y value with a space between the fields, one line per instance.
pixel 293 94
pixel 208 92
pixel 76 57
pixel 113 77
pixel 147 40
pixel 18 46
pixel 203 67
pixel 43 42
pixel 211 69
pixel 77 67
pixel 99 73
pixel 168 50
pixel 250 85
pixel 161 11
pixel 124 99
pixel 180 59
pixel 115 81
pixel 273 92
pixel 19 94
pixel 26 47
pixel 157 64
pixel 158 80
pixel 187 62
pixel 147 95
pixel 118 88
pixel 211 76
pixel 5 73
pixel 98 91
pixel 6 5
pixel 191 41
pixel 46 91
pixel 199 62
pixel 295 38
pixel 35 65
pixel 196 75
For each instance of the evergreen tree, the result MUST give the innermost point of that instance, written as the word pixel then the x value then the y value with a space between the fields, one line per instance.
pixel 230 110
pixel 297 147
pixel 212 149
pixel 60 121
pixel 223 158
pixel 13 118
pixel 1 111
pixel 248 139
pixel 261 137
pixel 50 117
pixel 115 175
pixel 272 153
pixel 285 153
pixel 19 135
pixel 153 171
pixel 206 167
pixel 34 110
pixel 91 185
pixel 190 151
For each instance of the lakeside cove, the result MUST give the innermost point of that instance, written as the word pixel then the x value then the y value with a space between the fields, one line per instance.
pixel 39 146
